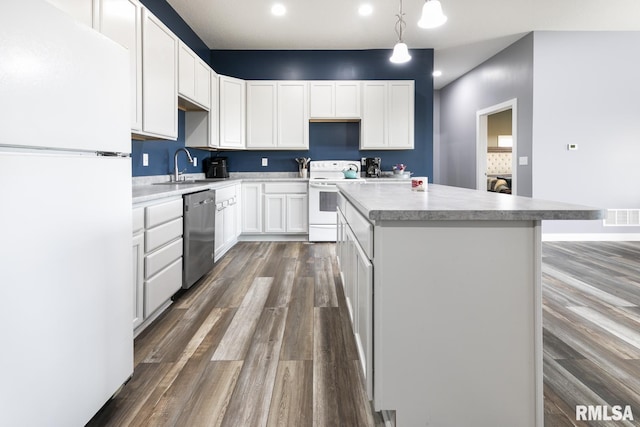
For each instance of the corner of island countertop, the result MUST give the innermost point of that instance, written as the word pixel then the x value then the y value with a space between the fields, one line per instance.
pixel 398 202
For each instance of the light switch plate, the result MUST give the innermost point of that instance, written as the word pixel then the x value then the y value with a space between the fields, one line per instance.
pixel 195 161
pixel 572 146
pixel 265 161
pixel 523 161
pixel 145 159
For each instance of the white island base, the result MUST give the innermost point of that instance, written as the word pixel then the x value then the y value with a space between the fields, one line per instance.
pixel 457 323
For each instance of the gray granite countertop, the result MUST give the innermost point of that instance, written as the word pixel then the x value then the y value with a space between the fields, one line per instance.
pixel 387 202
pixel 146 188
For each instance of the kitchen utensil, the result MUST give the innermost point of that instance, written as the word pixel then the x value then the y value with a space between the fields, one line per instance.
pixel 351 172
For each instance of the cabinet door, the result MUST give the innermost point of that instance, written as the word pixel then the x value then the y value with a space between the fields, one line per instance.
pixel 400 115
pixel 121 21
pixel 364 316
pixel 293 115
pixel 322 99
pixel 232 112
pixel 374 104
pixel 275 213
pixel 261 114
pixel 159 78
pixel 219 236
pixel 229 223
pixel 347 99
pixel 251 207
pixel 203 84
pixel 138 279
pixel 80 10
pixel 296 214
pixel 186 71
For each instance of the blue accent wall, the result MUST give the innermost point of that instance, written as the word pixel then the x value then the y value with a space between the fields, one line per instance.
pixel 327 141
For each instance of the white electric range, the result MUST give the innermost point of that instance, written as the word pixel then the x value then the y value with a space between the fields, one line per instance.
pixel 323 196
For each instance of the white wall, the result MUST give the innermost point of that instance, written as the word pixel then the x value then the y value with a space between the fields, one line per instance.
pixel 505 76
pixel 587 92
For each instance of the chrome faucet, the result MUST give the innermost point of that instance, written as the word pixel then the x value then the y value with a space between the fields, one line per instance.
pixel 176 174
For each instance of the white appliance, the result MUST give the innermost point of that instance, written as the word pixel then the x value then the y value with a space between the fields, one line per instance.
pixel 65 212
pixel 323 196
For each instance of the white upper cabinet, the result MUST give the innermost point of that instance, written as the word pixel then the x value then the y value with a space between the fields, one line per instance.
pixel 387 115
pixel 262 110
pixel 201 127
pixel 277 115
pixel 232 112
pixel 194 82
pixel 159 79
pixel 334 99
pixel 121 21
pixel 80 10
pixel 293 115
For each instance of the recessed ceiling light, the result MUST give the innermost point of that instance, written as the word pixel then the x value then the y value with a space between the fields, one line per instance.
pixel 278 9
pixel 437 73
pixel 365 9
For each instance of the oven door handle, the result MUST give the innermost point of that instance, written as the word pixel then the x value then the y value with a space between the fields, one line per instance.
pixel 324 186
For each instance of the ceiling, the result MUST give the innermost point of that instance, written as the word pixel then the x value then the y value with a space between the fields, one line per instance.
pixel 475 31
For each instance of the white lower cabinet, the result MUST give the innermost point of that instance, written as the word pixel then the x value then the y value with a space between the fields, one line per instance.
pixel 356 271
pixel 227 230
pixel 274 208
pixel 251 207
pixel 137 255
pixel 157 258
pixel 286 207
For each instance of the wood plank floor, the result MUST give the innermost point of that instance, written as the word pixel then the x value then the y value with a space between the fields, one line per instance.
pixel 264 340
pixel 591 318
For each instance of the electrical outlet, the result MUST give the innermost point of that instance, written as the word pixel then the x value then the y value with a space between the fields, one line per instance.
pixel 195 161
pixel 265 161
pixel 363 161
pixel 523 161
pixel 145 159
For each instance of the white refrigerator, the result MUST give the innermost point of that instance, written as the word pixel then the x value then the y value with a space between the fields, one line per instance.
pixel 65 218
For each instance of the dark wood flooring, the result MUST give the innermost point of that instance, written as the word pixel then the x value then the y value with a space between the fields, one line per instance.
pixel 591 318
pixel 264 339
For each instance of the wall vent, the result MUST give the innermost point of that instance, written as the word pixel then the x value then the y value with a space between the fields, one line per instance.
pixel 622 217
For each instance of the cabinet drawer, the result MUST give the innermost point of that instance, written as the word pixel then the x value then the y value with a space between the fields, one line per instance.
pixel 164 256
pixel 285 187
pixel 162 286
pixel 138 220
pixel 158 236
pixel 226 193
pixel 163 212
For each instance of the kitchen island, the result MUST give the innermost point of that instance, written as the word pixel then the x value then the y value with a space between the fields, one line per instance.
pixel 444 288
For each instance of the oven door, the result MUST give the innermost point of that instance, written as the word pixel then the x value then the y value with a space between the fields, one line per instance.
pixel 323 199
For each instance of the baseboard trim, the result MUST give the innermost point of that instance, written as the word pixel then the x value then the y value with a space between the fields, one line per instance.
pixel 590 237
pixel 273 238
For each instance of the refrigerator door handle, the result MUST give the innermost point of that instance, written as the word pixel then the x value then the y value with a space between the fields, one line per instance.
pixel 112 154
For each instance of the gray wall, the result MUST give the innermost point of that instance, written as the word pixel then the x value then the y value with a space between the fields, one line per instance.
pixel 587 92
pixel 505 76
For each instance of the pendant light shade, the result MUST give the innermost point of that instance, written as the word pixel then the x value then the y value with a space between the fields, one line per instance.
pixel 400 54
pixel 432 15
pixel 400 50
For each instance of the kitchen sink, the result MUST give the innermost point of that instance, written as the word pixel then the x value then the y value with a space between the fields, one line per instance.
pixel 190 181
pixel 176 183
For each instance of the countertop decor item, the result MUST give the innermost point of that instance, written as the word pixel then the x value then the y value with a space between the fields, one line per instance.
pixel 303 165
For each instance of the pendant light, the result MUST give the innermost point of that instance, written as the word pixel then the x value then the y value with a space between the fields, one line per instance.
pixel 400 51
pixel 432 15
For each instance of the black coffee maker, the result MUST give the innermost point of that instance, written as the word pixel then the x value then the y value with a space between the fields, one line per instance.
pixel 372 165
pixel 216 167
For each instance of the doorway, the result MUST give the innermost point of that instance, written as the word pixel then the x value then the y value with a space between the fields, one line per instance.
pixel 496 152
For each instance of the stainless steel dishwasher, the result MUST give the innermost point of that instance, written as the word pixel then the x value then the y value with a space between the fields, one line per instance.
pixel 199 235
